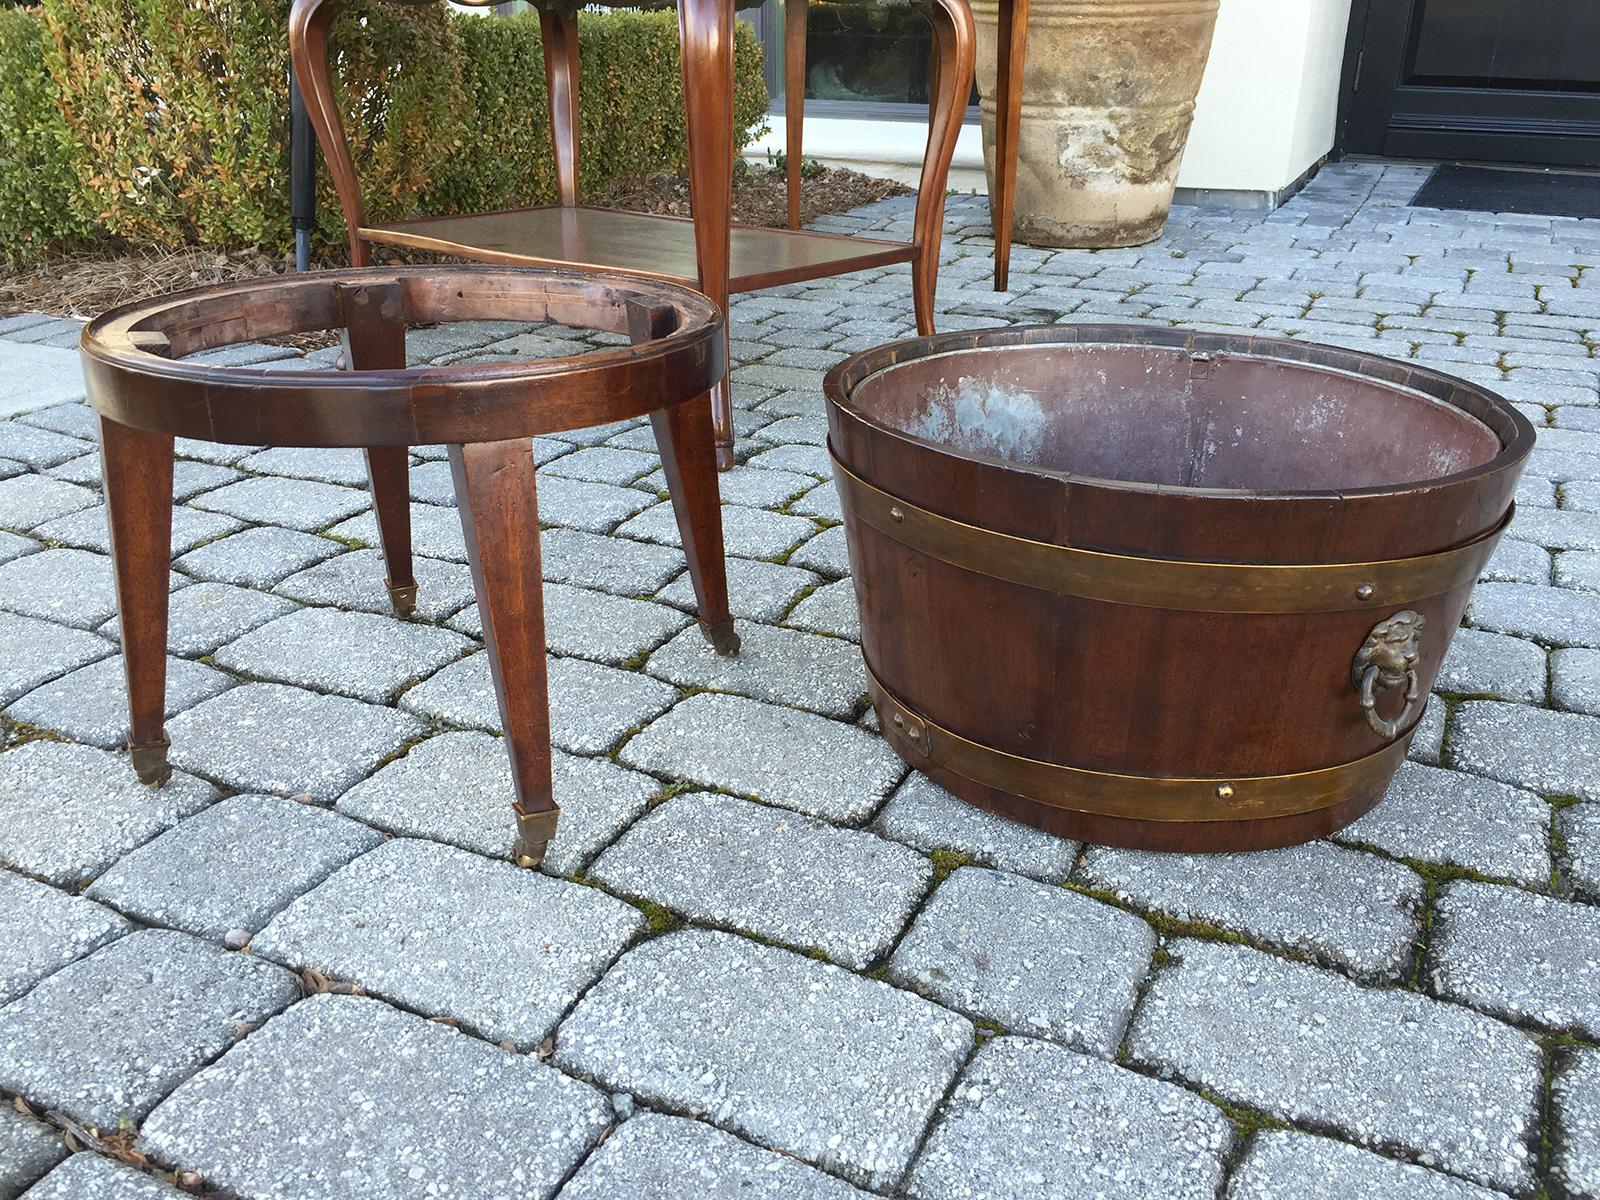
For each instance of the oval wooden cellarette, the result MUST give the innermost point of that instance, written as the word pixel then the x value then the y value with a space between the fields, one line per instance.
pixel 1158 588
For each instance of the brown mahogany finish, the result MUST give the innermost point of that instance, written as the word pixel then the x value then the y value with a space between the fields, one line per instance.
pixel 708 252
pixel 147 393
pixel 137 466
pixel 1157 444
pixel 1012 46
pixel 375 340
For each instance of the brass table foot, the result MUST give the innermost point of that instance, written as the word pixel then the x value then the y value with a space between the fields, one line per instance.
pixel 403 599
pixel 530 854
pixel 722 637
pixel 150 762
pixel 535 831
pixel 725 457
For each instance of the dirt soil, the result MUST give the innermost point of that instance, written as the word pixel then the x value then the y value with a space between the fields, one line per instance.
pixel 85 282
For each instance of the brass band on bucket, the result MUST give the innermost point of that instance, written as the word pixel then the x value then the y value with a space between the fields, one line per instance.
pixel 1136 797
pixel 1165 582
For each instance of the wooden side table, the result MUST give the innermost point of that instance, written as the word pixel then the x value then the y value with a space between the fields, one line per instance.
pixel 1012 52
pixel 708 251
pixel 146 393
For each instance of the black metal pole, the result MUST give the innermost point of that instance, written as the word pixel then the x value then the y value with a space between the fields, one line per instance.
pixel 302 176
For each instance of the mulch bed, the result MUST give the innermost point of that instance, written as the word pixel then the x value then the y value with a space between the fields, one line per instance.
pixel 85 282
pixel 760 196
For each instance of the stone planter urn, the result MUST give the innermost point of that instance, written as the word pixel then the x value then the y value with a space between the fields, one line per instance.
pixel 1107 97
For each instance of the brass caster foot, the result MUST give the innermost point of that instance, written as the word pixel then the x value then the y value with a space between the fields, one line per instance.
pixel 722 637
pixel 150 762
pixel 403 599
pixel 725 457
pixel 535 831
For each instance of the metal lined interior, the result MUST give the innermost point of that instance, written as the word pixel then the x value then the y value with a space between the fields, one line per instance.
pixel 1168 416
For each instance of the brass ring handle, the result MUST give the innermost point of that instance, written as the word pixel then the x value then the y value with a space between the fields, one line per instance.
pixel 1371 683
pixel 1387 660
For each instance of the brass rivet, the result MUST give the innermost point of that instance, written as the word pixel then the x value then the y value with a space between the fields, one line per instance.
pixel 899 721
pixel 1364 592
pixel 896 515
pixel 1225 791
pixel 914 733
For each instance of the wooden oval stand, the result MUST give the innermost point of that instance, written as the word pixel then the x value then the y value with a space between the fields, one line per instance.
pixel 484 413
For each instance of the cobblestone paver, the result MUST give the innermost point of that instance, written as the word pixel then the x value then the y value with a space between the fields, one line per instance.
pixel 770 872
pixel 28 1148
pixel 1413 998
pixel 452 934
pixel 204 616
pixel 271 738
pixel 37 651
pixel 1339 906
pixel 1032 958
pixel 1452 819
pixel 924 815
pixel 90 704
pixel 656 1157
pixel 1285 1165
pixel 42 929
pixel 422 1108
pixel 1030 1119
pixel 841 1071
pixel 107 1037
pixel 1456 1089
pixel 456 788
pixel 90 1177
pixel 804 762
pixel 1575 1098
pixel 229 869
pixel 68 812
pixel 356 654
pixel 1526 957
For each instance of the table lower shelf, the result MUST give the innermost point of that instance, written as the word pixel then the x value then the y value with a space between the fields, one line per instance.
pixel 637 243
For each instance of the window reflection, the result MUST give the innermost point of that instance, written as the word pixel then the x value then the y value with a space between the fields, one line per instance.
pixel 867 52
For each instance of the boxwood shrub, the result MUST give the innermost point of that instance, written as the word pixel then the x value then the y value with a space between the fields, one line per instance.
pixel 166 121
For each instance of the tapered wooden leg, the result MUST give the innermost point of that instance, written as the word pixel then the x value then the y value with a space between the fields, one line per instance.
pixel 559 29
pixel 955 50
pixel 705 29
pixel 389 472
pixel 500 518
pixel 684 437
pixel 374 339
pixel 1012 52
pixel 683 433
pixel 138 479
pixel 794 99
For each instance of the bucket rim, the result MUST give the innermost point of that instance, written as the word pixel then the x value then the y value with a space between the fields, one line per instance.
pixel 1492 410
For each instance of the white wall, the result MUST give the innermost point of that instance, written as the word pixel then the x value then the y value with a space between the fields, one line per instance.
pixel 1266 107
pixel 1264 115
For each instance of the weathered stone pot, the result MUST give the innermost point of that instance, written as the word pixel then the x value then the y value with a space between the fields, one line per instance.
pixel 1107 98
pixel 1162 589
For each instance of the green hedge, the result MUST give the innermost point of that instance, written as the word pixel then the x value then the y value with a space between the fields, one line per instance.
pixel 630 109
pixel 37 180
pixel 166 121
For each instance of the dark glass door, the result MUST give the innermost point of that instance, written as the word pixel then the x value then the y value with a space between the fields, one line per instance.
pixel 1495 80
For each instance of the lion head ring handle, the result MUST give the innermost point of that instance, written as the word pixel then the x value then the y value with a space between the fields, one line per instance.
pixel 1388 660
